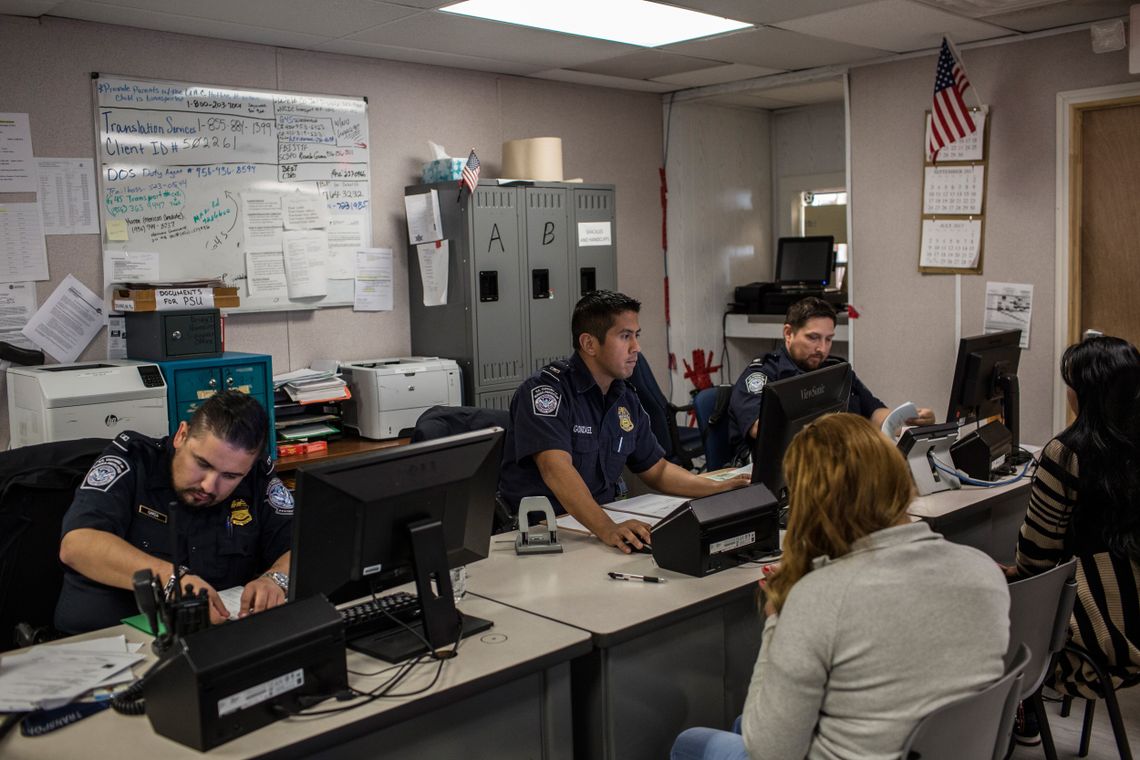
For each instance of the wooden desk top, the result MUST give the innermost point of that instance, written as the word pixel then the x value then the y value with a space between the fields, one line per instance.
pixel 347 446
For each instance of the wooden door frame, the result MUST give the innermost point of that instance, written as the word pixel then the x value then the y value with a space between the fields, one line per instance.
pixel 1067 312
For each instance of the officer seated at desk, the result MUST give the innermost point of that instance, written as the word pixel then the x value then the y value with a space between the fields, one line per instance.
pixel 576 423
pixel 809 329
pixel 233 517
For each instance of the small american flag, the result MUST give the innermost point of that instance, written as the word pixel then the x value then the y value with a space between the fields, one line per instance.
pixel 470 177
pixel 950 119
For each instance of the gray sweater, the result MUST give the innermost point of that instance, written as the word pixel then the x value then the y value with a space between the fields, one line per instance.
pixel 868 644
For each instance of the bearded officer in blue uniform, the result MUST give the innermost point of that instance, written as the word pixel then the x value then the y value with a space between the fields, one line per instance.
pixel 809 329
pixel 576 423
pixel 232 514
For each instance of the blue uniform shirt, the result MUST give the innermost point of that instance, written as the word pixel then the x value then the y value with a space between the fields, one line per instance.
pixel 744 404
pixel 128 493
pixel 561 407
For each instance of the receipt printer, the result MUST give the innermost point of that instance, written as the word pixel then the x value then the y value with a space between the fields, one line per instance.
pixel 63 402
pixel 389 395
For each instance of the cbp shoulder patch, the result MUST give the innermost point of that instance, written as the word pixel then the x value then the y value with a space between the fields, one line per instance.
pixel 756 382
pixel 106 470
pixel 545 400
pixel 279 497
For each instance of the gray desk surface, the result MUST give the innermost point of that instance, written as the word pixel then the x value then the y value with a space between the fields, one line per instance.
pixel 946 503
pixel 519 644
pixel 573 588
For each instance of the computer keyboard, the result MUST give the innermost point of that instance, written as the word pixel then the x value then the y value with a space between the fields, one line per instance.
pixel 380 614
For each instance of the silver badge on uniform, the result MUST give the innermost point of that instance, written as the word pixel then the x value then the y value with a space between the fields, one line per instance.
pixel 106 470
pixel 545 401
pixel 279 497
pixel 756 382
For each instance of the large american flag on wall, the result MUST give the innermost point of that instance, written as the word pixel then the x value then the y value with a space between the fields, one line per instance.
pixel 950 119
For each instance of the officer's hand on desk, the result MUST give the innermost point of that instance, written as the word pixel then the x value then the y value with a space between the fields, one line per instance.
pixel 737 482
pixel 259 595
pixel 218 611
pixel 924 417
pixel 631 533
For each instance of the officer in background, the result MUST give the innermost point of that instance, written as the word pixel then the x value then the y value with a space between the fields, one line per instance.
pixel 233 518
pixel 809 329
pixel 576 423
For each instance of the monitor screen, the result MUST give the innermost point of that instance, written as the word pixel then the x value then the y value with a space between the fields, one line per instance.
pixel 805 260
pixel 786 406
pixel 983 360
pixel 350 523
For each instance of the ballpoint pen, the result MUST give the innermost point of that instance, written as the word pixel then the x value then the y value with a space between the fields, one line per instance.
pixel 632 577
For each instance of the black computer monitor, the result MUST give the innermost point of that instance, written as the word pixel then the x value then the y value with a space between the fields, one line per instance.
pixel 985 381
pixel 786 406
pixel 360 522
pixel 805 261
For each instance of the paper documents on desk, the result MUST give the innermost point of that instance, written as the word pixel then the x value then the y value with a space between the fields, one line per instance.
pixel 51 676
pixel 648 508
pixel 722 475
pixel 566 522
pixel 896 420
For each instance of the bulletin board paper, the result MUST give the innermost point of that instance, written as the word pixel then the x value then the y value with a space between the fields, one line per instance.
pixel 176 159
pixel 953 189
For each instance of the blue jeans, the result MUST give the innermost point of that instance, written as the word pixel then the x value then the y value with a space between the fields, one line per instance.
pixel 710 744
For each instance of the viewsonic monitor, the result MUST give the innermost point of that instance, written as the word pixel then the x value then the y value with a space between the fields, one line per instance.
pixel 985 383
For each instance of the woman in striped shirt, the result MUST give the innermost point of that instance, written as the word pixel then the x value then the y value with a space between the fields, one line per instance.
pixel 1085 502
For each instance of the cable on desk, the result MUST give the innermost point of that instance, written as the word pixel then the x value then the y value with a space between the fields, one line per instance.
pixel 981 483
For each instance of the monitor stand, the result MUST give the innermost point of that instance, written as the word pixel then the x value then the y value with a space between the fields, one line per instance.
pixel 1011 416
pixel 440 624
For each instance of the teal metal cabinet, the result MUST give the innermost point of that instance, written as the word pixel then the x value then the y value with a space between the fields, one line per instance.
pixel 189 382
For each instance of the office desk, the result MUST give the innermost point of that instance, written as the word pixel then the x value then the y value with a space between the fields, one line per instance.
pixel 507 695
pixel 666 657
pixel 347 446
pixel 985 518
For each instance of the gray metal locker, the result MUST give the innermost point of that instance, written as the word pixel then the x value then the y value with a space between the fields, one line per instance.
pixel 594 262
pixel 512 280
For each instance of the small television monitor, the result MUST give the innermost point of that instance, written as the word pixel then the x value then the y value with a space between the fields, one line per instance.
pixel 785 408
pixel 805 261
pixel 985 382
pixel 362 521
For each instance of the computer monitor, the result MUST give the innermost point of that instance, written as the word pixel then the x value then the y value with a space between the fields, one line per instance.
pixel 785 407
pixel 985 382
pixel 361 520
pixel 805 261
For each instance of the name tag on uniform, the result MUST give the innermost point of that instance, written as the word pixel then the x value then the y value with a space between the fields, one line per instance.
pixel 153 514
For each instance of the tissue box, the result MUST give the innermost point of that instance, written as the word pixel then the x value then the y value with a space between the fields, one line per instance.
pixel 443 170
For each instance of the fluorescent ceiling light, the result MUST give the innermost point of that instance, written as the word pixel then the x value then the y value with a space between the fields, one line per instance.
pixel 635 22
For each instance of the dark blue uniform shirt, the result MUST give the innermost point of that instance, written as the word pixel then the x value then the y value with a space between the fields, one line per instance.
pixel 128 493
pixel 744 405
pixel 561 407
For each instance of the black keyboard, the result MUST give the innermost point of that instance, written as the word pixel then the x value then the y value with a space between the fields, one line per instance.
pixel 381 614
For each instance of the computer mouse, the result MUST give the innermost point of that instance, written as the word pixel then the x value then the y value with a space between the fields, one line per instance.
pixel 645 548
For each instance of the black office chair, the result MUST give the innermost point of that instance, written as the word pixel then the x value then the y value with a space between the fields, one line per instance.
pixel 37 485
pixel 682 444
pixel 711 406
pixel 1115 719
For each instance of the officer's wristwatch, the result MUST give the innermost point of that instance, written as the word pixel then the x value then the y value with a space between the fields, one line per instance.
pixel 281 579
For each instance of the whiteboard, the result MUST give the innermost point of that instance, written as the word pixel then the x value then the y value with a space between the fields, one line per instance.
pixel 188 171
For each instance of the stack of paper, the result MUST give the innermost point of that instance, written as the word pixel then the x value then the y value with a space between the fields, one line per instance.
pixel 51 676
pixel 649 508
pixel 317 389
pixel 300 375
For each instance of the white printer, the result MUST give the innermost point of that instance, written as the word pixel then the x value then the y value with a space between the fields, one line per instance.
pixel 389 395
pixel 61 402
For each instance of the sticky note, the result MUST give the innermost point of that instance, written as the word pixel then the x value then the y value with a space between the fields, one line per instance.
pixel 117 229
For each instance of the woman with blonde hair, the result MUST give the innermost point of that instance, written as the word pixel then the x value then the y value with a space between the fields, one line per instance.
pixel 873 621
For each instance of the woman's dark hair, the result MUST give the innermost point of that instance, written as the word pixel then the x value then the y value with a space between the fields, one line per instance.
pixel 1104 373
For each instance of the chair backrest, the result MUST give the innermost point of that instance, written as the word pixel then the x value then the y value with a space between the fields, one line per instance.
pixel 975 726
pixel 714 428
pixel 37 485
pixel 1039 610
pixel 654 401
pixel 440 421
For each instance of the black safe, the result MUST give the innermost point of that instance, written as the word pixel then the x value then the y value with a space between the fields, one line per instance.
pixel 163 335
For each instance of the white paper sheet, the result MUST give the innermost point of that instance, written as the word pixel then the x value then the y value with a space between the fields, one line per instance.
pixel 722 475
pixel 433 271
pixel 116 337
pixel 346 237
pixel 17 305
pixel 301 211
pixel 595 233
pixel 130 266
pixel 17 167
pixel 896 420
pixel 306 254
pixel 647 505
pixel 569 523
pixel 67 196
pixel 262 221
pixel 265 273
pixel 23 252
pixel 1009 306
pixel 373 280
pixel 67 321
pixel 424 224
pixel 231 597
pixel 52 676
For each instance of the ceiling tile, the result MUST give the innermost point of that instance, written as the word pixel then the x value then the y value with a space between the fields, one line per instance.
pixel 805 94
pixel 897 25
pixel 775 48
pixel 27 7
pixel 733 72
pixel 489 39
pixel 1062 14
pixel 764 12
pixel 647 64
pixel 601 80
pixel 746 100
pixel 432 58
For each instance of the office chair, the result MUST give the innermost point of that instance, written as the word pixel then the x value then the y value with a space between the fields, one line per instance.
pixel 711 404
pixel 1039 610
pixel 682 444
pixel 37 485
pixel 975 726
pixel 1114 717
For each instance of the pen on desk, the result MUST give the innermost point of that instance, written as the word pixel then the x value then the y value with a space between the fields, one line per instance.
pixel 632 577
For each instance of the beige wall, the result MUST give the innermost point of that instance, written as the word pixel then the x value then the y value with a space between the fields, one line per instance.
pixel 608 136
pixel 906 332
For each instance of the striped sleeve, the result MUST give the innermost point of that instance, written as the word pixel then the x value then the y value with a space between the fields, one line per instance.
pixel 1041 543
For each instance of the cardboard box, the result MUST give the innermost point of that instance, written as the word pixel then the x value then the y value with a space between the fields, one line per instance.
pixel 174 299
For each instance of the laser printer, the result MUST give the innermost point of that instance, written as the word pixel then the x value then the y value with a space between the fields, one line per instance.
pixel 62 402
pixel 389 395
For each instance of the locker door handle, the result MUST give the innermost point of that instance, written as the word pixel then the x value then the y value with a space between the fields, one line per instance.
pixel 589 279
pixel 540 283
pixel 488 286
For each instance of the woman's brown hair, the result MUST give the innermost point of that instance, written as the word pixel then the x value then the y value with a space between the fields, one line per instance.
pixel 845 481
